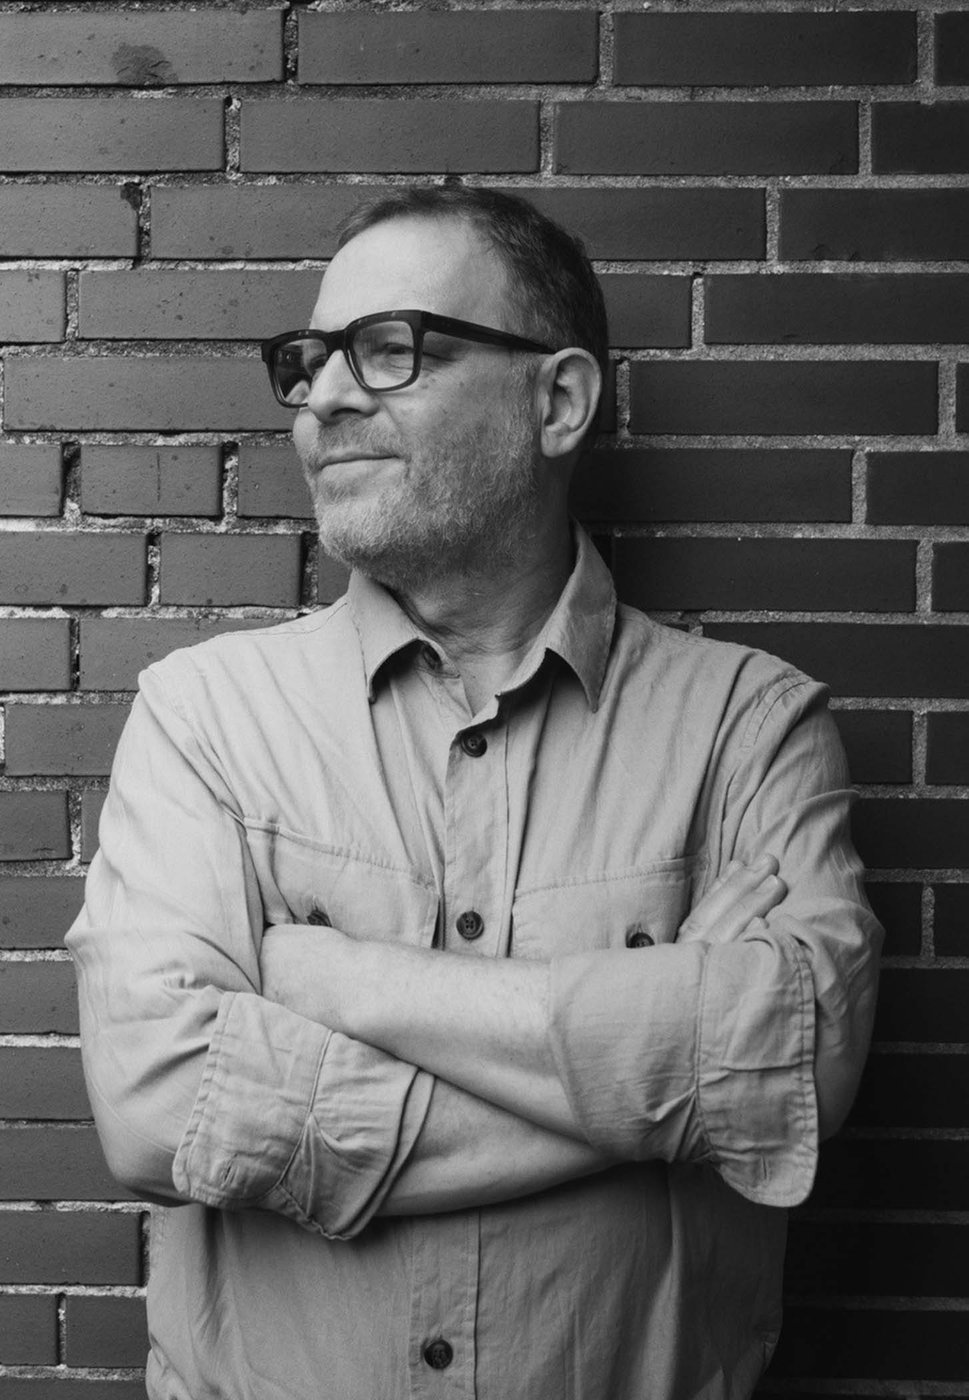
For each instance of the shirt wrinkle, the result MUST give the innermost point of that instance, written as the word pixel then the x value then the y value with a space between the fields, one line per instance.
pixel 269 775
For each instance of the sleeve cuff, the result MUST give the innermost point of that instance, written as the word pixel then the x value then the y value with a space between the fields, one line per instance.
pixel 694 1053
pixel 315 1126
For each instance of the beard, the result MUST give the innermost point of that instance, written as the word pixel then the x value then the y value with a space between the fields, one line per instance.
pixel 463 505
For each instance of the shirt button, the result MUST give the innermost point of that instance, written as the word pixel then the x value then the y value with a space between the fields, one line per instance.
pixel 637 937
pixel 438 1354
pixel 474 743
pixel 470 924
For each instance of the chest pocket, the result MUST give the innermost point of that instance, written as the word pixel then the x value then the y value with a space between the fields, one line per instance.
pixel 631 909
pixel 302 881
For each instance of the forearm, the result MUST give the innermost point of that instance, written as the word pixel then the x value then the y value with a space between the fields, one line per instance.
pixel 470 1153
pixel 480 1025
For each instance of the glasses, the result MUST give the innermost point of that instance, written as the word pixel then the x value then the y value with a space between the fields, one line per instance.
pixel 384 351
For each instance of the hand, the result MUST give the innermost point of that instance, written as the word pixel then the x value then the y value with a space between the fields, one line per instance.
pixel 302 969
pixel 742 895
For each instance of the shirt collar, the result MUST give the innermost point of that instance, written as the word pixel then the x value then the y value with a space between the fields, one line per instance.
pixel 579 629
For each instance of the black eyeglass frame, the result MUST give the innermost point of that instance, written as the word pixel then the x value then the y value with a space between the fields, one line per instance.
pixel 419 322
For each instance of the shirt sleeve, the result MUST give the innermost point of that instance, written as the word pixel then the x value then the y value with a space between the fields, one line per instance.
pixel 201 1088
pixel 739 1053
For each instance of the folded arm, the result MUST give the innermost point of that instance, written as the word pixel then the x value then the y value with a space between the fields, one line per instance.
pixel 739 1044
pixel 203 1088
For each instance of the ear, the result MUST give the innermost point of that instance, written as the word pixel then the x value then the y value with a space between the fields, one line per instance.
pixel 570 382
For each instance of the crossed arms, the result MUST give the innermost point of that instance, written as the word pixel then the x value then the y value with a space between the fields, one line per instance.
pixel 303 1071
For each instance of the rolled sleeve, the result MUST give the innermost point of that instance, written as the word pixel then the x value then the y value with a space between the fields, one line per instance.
pixel 740 1053
pixel 202 1089
pixel 294 1118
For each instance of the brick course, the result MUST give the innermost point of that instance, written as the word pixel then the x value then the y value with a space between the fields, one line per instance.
pixel 774 197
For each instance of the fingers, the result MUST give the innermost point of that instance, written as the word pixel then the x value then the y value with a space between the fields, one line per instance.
pixel 741 894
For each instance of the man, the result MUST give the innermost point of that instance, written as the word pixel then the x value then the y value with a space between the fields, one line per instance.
pixel 470 968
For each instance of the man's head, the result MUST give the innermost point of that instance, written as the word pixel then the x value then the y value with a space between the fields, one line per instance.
pixel 456 471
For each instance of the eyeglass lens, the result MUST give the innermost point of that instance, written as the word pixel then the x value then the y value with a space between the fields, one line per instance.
pixel 382 356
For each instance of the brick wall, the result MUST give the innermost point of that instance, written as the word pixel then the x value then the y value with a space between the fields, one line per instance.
pixel 775 195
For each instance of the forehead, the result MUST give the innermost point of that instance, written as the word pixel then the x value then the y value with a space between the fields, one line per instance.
pixel 431 264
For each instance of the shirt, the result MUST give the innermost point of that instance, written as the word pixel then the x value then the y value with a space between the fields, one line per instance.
pixel 329 770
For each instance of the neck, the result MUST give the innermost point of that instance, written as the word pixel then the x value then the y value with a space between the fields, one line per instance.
pixel 485 620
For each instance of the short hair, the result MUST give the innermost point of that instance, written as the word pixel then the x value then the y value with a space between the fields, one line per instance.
pixel 547 267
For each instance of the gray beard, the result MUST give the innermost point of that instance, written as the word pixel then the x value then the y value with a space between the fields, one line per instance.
pixel 469 510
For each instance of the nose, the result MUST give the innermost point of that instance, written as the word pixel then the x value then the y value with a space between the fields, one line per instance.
pixel 335 392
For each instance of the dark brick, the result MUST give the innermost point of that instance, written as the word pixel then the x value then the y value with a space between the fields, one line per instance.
pixel 35 654
pixel 335 134
pixel 898 1174
pixel 659 223
pixel 106 1332
pixel 918 488
pixel 34 826
pixel 950 577
pixel 448 47
pixel 332 579
pixel 853 1257
pixel 132 480
pixel 141 49
pixel 962 399
pixel 914 1091
pixel 776 50
pixel 28 1330
pixel 947 758
pixel 64 221
pixel 898 908
pixel 37 910
pixel 646 310
pixel 55 1164
pixel 91 804
pixel 69 1247
pixel 929 1004
pixel 878 744
pixel 783 396
pixel 706 138
pixel 231 570
pixel 952 49
pixel 63 568
pixel 58 1387
pixel 851 1343
pixel 721 484
pixel 271 483
pixel 30 479
pixel 251 221
pixel 114 650
pixel 195 305
pixel 42 1083
pixel 177 393
pixel 833 309
pixel 920 139
pixel 868 225
pixel 952 924
pixel 922 835
pixel 37 998
pixel 110 133
pixel 32 306
pixel 62 738
pixel 865 659
pixel 825 575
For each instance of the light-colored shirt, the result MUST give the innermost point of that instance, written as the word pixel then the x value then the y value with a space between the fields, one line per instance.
pixel 329 770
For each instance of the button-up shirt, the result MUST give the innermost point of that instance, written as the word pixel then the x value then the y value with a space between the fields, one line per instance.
pixel 329 770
